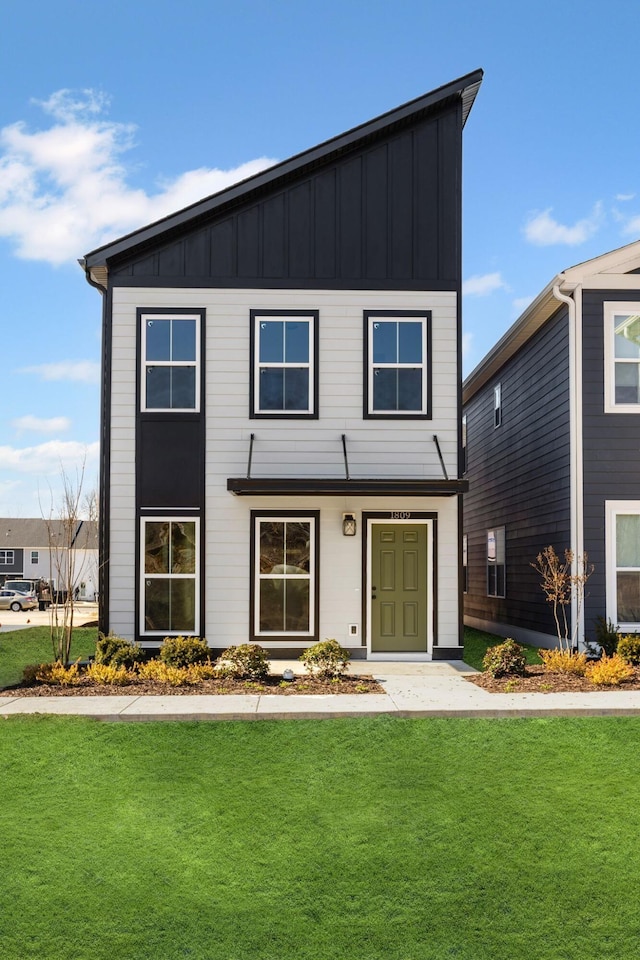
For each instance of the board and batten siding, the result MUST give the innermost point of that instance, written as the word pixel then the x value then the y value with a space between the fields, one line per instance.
pixel 519 478
pixel 376 448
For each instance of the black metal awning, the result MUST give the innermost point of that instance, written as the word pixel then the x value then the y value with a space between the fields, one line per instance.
pixel 338 487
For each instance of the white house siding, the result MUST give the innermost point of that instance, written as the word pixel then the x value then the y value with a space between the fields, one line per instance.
pixel 288 448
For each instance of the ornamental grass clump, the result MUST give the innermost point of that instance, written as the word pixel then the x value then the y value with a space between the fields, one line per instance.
pixel 563 661
pixel 183 651
pixel 629 649
pixel 108 674
pixel 326 660
pixel 609 671
pixel 248 661
pixel 57 675
pixel 505 659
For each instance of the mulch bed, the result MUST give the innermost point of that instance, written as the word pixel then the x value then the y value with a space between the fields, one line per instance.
pixel 273 685
pixel 536 680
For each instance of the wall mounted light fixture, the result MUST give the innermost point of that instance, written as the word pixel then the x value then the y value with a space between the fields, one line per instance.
pixel 348 525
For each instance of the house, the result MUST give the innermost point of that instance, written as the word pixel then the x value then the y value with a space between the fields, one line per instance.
pixel 551 431
pixel 281 400
pixel 36 549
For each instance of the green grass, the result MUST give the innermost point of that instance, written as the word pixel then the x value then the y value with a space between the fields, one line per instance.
pixel 476 644
pixel 325 840
pixel 33 645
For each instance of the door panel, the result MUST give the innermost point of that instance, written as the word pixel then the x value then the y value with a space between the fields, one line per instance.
pixel 399 588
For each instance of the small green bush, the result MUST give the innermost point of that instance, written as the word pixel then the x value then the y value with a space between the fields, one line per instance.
pixel 248 661
pixel 505 659
pixel 607 636
pixel 117 652
pixel 326 659
pixel 183 651
pixel 629 649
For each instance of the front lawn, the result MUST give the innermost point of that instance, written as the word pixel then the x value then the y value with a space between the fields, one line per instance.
pixel 33 645
pixel 325 840
pixel 477 642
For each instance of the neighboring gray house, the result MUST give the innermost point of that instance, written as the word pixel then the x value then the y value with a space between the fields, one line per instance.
pixel 33 549
pixel 281 400
pixel 552 445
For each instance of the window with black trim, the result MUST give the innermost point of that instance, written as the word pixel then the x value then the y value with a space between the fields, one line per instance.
pixel 397 374
pixel 285 581
pixel 170 362
pixel 496 562
pixel 285 375
pixel 497 405
pixel 169 599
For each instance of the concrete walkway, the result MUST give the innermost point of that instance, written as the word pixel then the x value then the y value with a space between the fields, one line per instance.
pixel 436 689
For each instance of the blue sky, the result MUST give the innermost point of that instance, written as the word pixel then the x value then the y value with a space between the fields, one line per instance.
pixel 111 117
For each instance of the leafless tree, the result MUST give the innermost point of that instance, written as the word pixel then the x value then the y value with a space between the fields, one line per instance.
pixel 562 581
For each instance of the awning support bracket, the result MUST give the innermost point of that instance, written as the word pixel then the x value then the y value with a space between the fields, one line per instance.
pixel 437 443
pixel 250 456
pixel 346 459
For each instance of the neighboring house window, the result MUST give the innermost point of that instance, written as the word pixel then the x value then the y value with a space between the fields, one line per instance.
pixel 35 556
pixel 285 589
pixel 622 357
pixel 170 576
pixel 397 370
pixel 6 557
pixel 465 565
pixel 496 562
pixel 284 348
pixel 623 563
pixel 170 362
pixel 464 444
pixel 497 405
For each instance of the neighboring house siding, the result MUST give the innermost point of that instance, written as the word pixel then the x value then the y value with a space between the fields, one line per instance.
pixel 387 214
pixel 611 448
pixel 519 477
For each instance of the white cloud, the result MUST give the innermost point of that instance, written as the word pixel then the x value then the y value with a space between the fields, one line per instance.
pixel 632 226
pixel 623 197
pixel 64 191
pixel 542 230
pixel 78 371
pixel 481 285
pixel 41 424
pixel 49 458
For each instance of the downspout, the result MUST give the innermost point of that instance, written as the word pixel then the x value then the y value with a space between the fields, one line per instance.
pixel 574 307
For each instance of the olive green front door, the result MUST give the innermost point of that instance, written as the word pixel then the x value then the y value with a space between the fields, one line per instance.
pixel 399 587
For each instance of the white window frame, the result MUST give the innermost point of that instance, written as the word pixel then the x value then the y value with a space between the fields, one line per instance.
pixel 497 405
pixel 465 562
pixel 144 319
pixel 7 557
pixel 464 443
pixel 35 557
pixel 169 576
pixel 257 576
pixel 612 509
pixel 269 317
pixel 496 531
pixel 374 317
pixel 610 309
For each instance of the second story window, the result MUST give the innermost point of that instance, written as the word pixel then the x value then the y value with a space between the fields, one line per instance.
pixel 497 405
pixel 398 358
pixel 284 348
pixel 464 444
pixel 6 557
pixel 622 357
pixel 170 362
pixel 35 556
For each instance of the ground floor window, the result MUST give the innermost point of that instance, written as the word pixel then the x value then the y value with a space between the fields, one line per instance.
pixel 623 549
pixel 285 582
pixel 496 562
pixel 170 576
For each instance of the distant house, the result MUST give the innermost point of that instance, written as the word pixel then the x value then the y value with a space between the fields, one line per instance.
pixel 552 444
pixel 33 549
pixel 281 408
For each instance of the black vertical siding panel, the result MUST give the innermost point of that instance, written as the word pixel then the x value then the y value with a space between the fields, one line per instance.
pixel 222 249
pixel 401 187
pixel 611 447
pixel 171 260
pixel 325 224
pixel 273 237
pixel 248 237
pixel 449 196
pixel 146 267
pixel 197 254
pixel 350 222
pixel 426 246
pixel 519 476
pixel 299 233
pixel 376 213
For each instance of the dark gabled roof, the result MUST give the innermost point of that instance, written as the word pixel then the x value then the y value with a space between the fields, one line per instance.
pixel 36 533
pixel 463 90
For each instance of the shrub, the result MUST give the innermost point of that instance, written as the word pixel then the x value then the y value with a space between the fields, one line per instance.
pixel 606 636
pixel 563 661
pixel 58 675
pixel 159 672
pixel 629 649
pixel 609 671
pixel 505 659
pixel 326 659
pixel 183 651
pixel 248 661
pixel 117 652
pixel 109 674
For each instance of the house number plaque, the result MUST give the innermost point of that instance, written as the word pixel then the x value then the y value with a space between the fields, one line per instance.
pixel 400 515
